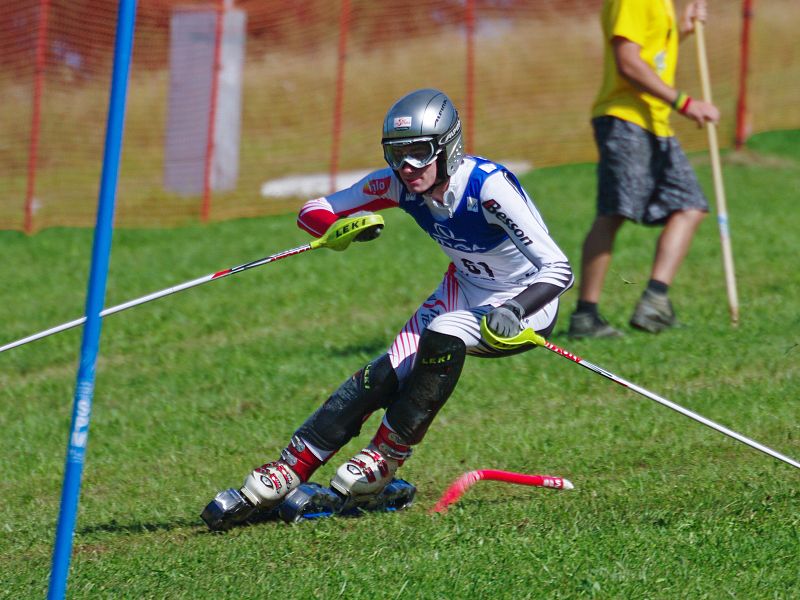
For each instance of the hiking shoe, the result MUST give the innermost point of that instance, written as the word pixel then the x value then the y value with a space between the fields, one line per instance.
pixel 653 313
pixel 590 325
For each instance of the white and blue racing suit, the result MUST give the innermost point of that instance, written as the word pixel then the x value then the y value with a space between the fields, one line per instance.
pixel 497 243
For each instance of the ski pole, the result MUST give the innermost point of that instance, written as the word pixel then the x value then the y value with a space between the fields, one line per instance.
pixel 528 337
pixel 338 237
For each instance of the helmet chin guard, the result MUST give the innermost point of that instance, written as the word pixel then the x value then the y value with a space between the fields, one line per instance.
pixel 420 117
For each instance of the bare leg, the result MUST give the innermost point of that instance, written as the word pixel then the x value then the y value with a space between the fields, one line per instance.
pixel 673 244
pixel 596 256
pixel 654 311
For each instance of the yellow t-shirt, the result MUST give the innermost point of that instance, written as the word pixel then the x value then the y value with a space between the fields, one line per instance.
pixel 651 25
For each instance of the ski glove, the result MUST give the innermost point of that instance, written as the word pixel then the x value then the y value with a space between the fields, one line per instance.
pixel 505 320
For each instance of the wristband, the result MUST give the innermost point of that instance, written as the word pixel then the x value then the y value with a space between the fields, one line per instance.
pixel 682 102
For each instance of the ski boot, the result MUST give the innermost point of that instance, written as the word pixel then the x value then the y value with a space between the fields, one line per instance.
pixel 366 474
pixel 262 491
pixel 364 483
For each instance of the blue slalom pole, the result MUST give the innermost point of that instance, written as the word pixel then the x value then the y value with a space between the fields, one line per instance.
pixel 95 298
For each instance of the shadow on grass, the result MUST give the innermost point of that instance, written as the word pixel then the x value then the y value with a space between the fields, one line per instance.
pixel 196 524
pixel 371 348
pixel 115 526
pixel 198 527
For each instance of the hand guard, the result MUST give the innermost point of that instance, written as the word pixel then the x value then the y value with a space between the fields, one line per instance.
pixel 505 320
pixel 370 233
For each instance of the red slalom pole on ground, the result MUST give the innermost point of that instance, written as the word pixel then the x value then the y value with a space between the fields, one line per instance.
pixel 467 480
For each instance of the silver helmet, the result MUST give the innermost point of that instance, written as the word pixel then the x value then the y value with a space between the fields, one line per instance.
pixel 421 127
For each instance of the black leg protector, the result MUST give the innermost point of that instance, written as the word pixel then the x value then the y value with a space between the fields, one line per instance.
pixel 438 366
pixel 339 419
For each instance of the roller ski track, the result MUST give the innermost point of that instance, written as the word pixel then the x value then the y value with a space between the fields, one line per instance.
pixel 308 502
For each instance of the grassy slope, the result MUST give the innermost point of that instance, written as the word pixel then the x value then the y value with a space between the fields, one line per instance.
pixel 194 390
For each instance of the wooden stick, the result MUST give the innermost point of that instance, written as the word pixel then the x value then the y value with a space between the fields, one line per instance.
pixel 719 189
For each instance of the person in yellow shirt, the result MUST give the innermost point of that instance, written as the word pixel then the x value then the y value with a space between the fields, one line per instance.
pixel 643 174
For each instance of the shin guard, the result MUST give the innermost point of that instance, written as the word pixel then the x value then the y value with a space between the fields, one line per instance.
pixel 340 418
pixel 438 365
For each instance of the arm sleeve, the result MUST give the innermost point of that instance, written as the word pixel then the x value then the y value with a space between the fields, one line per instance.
pixel 509 207
pixel 378 190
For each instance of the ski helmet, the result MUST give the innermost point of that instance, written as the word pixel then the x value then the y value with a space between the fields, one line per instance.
pixel 421 127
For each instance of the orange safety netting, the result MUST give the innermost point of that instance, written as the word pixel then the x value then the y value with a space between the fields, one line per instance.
pixel 316 79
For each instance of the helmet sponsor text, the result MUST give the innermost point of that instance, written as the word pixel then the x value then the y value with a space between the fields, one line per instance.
pixel 441 110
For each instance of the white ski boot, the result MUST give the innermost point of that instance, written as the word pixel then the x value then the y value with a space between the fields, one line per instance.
pixel 267 485
pixel 366 474
pixel 264 488
pixel 369 471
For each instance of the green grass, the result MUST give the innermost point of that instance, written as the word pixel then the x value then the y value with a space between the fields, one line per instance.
pixel 195 389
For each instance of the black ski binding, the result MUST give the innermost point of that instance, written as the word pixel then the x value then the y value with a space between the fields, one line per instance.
pixel 306 502
pixel 228 508
pixel 313 501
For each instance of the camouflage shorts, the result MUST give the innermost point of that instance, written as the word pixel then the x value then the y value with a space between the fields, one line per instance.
pixel 641 176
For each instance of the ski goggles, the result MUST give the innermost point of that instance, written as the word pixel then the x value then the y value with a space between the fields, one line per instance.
pixel 417 153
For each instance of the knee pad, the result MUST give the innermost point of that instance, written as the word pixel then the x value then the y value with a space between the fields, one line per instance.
pixel 433 378
pixel 339 419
